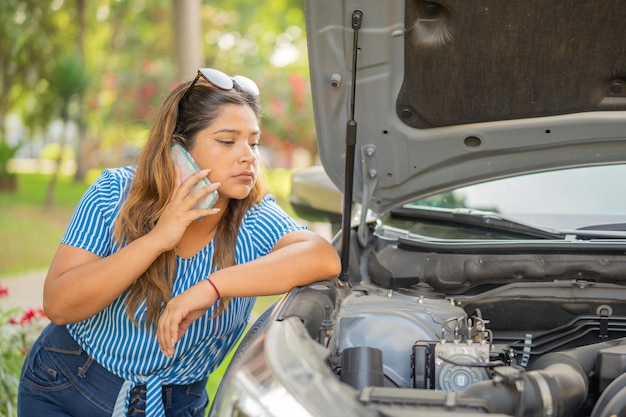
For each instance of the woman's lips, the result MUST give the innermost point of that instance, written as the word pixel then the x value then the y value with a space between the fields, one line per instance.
pixel 244 176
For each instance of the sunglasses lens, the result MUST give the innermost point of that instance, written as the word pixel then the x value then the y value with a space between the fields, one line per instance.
pixel 220 80
pixel 217 78
pixel 246 84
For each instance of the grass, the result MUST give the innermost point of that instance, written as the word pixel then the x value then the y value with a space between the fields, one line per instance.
pixel 30 233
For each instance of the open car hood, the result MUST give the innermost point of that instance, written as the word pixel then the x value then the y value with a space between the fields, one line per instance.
pixel 452 93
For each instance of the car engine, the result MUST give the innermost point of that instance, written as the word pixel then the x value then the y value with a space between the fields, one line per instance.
pixel 417 329
pixel 414 348
pixel 435 338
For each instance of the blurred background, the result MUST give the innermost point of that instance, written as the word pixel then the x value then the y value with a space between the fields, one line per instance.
pixel 79 80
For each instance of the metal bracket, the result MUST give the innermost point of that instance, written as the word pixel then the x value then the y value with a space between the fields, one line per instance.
pixel 369 166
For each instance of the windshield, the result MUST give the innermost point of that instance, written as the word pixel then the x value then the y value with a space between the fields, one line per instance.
pixel 581 198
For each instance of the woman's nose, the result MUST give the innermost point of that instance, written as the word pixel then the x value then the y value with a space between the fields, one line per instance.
pixel 248 154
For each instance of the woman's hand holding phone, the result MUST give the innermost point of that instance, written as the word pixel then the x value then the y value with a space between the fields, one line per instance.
pixel 180 212
pixel 183 160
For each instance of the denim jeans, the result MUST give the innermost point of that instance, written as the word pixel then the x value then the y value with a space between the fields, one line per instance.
pixel 59 379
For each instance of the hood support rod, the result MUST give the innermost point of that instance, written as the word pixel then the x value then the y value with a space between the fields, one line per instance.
pixel 357 18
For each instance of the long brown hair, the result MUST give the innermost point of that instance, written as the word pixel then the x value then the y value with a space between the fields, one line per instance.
pixel 154 182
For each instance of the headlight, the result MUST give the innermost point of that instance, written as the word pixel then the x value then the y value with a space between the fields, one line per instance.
pixel 283 374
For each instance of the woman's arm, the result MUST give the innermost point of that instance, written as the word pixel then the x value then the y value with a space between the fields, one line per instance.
pixel 299 258
pixel 80 284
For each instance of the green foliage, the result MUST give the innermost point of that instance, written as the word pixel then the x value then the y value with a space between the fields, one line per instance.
pixel 68 81
pixel 116 67
pixel 29 38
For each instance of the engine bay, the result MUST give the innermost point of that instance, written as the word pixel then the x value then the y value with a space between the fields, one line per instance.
pixel 534 331
pixel 415 348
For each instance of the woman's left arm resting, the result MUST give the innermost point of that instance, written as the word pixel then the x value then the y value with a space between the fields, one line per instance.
pixel 299 258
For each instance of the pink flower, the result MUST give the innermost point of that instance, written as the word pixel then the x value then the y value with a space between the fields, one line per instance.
pixel 30 315
pixel 4 291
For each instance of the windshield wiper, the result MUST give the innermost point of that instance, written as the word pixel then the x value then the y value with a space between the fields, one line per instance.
pixel 607 231
pixel 611 230
pixel 476 218
pixel 616 227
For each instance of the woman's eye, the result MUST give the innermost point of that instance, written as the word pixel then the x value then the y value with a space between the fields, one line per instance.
pixel 225 141
pixel 255 145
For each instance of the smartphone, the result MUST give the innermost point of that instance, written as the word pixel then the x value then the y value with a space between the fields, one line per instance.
pixel 188 167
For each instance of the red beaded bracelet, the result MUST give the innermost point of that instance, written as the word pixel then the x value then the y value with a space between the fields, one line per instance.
pixel 215 288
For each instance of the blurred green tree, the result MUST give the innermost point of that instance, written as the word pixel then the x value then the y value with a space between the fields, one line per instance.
pixel 268 41
pixel 131 51
pixel 69 80
pixel 27 40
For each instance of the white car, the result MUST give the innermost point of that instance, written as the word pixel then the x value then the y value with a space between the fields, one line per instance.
pixel 480 152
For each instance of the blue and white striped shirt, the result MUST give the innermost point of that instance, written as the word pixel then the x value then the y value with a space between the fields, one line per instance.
pixel 132 352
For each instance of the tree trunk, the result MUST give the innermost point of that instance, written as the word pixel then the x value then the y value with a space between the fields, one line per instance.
pixel 8 183
pixel 188 38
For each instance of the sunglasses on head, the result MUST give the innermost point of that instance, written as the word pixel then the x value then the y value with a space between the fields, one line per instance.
pixel 224 82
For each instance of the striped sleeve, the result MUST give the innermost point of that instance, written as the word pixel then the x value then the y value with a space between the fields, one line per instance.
pixel 269 223
pixel 91 225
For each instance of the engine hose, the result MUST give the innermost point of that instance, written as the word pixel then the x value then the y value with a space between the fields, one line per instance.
pixel 556 387
pixel 584 356
pixel 556 391
pixel 613 399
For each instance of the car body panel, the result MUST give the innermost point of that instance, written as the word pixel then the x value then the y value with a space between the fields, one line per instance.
pixel 478 90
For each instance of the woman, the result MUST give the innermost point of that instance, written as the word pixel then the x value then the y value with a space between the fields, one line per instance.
pixel 146 293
